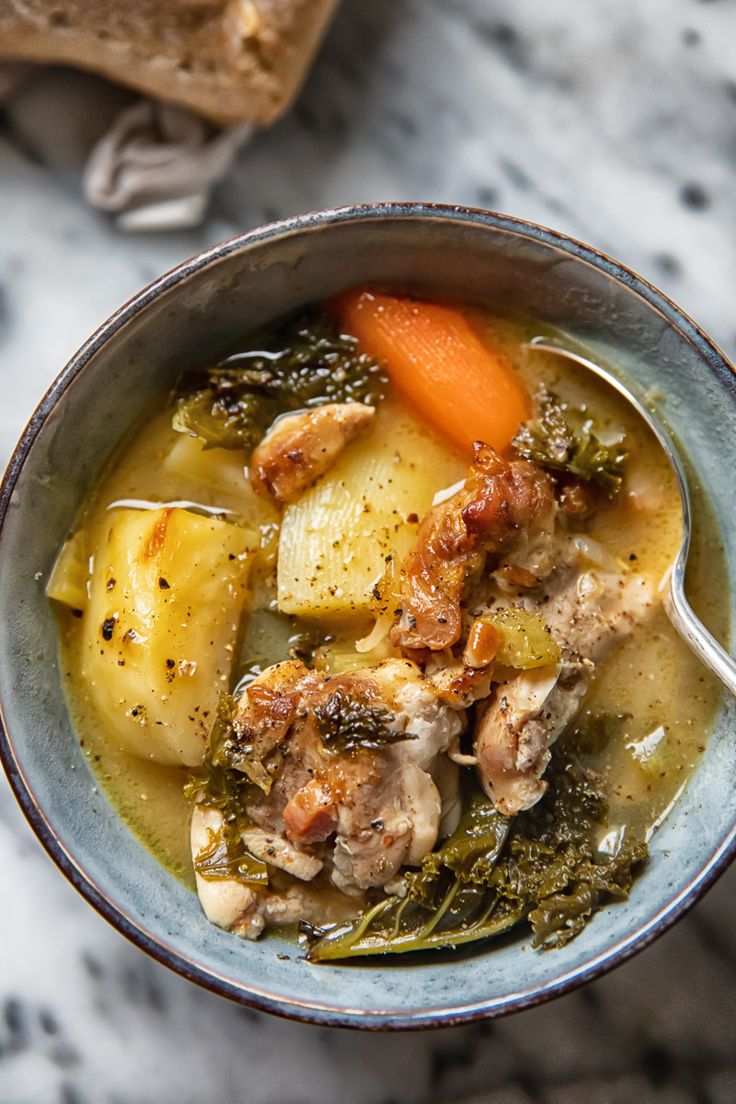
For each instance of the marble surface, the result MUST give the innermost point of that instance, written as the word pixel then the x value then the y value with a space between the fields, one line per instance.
pixel 614 121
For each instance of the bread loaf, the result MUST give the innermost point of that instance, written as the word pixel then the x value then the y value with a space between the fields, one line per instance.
pixel 229 60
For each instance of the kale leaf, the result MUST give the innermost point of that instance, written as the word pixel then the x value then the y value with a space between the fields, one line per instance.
pixel 219 785
pixel 448 901
pixel 552 866
pixel 565 438
pixel 493 872
pixel 220 861
pixel 352 724
pixel 306 364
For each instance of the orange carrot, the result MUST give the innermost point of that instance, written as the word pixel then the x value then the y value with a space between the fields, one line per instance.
pixel 463 387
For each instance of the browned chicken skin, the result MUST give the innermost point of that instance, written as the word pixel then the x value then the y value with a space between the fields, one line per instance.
pixel 268 707
pixel 301 447
pixel 500 500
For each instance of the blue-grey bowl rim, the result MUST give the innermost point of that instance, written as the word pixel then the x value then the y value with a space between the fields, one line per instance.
pixel 94 894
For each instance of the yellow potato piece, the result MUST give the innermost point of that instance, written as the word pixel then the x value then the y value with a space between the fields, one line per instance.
pixel 335 539
pixel 68 581
pixel 218 477
pixel 159 630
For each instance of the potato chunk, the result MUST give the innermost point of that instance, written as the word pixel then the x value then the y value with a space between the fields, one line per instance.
pixel 159 630
pixel 68 582
pixel 218 477
pixel 336 537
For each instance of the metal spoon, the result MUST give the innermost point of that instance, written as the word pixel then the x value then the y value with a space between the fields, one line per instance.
pixel 676 605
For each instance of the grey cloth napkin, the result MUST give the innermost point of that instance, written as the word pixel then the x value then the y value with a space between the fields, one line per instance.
pixel 156 165
pixel 151 165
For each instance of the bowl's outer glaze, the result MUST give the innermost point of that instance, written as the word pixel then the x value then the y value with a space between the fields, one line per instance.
pixel 114 379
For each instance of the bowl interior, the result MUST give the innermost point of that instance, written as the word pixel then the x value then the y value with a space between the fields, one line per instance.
pixel 192 314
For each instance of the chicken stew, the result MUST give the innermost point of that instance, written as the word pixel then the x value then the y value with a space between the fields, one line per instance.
pixel 361 633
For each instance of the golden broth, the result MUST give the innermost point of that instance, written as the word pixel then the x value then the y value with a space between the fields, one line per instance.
pixel 667 699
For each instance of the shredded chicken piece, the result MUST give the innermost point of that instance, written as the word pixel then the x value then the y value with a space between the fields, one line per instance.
pixel 513 734
pixel 446 778
pixel 277 851
pixel 589 615
pixel 461 685
pixel 500 501
pixel 301 447
pixel 226 902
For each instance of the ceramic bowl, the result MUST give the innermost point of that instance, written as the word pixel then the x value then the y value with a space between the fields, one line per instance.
pixel 197 310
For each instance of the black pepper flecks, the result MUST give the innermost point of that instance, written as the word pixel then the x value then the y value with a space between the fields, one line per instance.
pixel 108 627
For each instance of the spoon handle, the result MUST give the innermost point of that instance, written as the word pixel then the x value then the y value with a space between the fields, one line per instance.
pixel 696 636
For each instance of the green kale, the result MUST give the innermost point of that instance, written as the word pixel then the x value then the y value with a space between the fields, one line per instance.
pixel 552 867
pixel 220 861
pixel 219 785
pixel 447 903
pixel 493 872
pixel 352 724
pixel 306 364
pixel 566 439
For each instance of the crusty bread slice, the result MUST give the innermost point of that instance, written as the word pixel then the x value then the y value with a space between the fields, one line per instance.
pixel 229 60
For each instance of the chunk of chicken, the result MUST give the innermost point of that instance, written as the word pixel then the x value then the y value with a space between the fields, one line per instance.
pixel 515 730
pixel 301 447
pixel 363 813
pixel 263 718
pixel 278 852
pixel 499 504
pixel 446 778
pixel 395 820
pixel 459 684
pixel 381 830
pixel 589 615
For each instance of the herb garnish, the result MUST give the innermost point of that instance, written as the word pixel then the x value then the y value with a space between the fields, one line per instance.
pixel 351 724
pixel 566 439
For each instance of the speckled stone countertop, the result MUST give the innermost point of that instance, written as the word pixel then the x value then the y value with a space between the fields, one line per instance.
pixel 614 121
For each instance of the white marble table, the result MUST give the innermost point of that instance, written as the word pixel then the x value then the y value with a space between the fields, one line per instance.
pixel 614 121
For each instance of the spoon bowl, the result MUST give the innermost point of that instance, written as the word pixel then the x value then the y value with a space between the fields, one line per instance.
pixel 680 612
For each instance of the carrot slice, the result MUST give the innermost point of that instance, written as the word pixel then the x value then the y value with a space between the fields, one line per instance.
pixel 465 389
